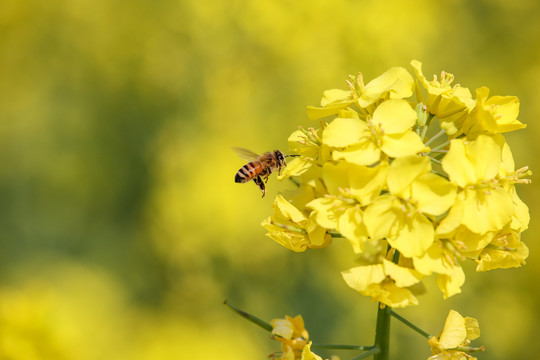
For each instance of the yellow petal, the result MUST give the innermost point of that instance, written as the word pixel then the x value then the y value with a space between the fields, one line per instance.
pixel 296 167
pixel 286 210
pixel 308 355
pixel 380 217
pixel 351 225
pixel 395 116
pixel 397 145
pixel 327 211
pixel 404 170
pixel 413 235
pixel 318 236
pixel 451 284
pixel 433 194
pixel 390 294
pixel 473 330
pixel 335 96
pixel 344 132
pixel 434 260
pixel 454 332
pixel 396 82
pixel 364 153
pixel 360 277
pixel 489 211
pixel 403 277
pixel 301 145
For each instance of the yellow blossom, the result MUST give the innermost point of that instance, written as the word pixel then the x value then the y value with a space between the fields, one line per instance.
pixel 491 116
pixel 293 229
pixel 372 175
pixel 482 204
pixel 400 216
pixel 505 251
pixel 451 104
pixel 292 335
pixel 458 331
pixel 389 131
pixel 396 83
pixel 308 355
pixel 351 186
pixel 387 283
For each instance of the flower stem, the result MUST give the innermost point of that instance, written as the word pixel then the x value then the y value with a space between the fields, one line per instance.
pixel 342 347
pixel 409 324
pixel 373 351
pixel 382 333
pixel 266 326
pixel 435 137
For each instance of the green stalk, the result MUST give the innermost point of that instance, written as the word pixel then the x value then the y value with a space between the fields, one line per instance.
pixel 409 324
pixel 382 333
pixel 255 320
pixel 341 347
pixel 367 354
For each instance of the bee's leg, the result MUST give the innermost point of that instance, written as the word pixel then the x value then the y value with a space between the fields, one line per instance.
pixel 260 184
pixel 268 172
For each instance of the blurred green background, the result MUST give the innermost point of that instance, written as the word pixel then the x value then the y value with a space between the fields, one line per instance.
pixel 122 230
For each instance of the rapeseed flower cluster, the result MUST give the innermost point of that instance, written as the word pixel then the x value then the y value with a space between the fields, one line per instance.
pixel 415 174
pixel 294 338
pixel 452 343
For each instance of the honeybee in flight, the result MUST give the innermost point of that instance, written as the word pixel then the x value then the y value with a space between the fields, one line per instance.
pixel 259 167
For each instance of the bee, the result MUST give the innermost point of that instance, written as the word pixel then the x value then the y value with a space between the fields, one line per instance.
pixel 259 167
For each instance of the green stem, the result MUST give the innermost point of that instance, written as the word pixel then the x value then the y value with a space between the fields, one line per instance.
pixel 435 137
pixel 382 333
pixel 266 326
pixel 367 354
pixel 341 347
pixel 409 324
pixel 441 146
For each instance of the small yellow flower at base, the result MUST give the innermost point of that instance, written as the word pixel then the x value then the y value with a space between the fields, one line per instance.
pixel 505 251
pixel 387 283
pixel 458 331
pixel 293 229
pixel 294 338
pixel 495 115
pixel 451 104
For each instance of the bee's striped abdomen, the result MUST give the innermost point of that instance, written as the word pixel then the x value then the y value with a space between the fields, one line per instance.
pixel 247 172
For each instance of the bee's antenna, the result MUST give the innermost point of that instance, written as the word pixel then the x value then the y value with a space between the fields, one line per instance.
pixel 292 155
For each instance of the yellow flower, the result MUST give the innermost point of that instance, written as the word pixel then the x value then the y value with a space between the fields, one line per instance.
pixel 482 204
pixel 332 102
pixel 308 355
pixel 451 104
pixel 491 116
pixel 389 131
pixel 396 83
pixel 349 186
pixel 387 283
pixel 400 216
pixel 293 229
pixel 307 144
pixel 366 175
pixel 292 335
pixel 458 331
pixel 505 251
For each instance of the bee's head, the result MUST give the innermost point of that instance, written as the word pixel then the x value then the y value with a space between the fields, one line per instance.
pixel 280 158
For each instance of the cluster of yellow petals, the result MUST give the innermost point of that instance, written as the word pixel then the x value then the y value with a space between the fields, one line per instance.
pixel 294 339
pixel 458 332
pixel 409 207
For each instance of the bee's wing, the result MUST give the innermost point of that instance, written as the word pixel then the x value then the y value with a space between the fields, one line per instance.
pixel 245 154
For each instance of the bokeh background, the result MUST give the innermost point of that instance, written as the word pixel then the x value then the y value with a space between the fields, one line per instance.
pixel 121 229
